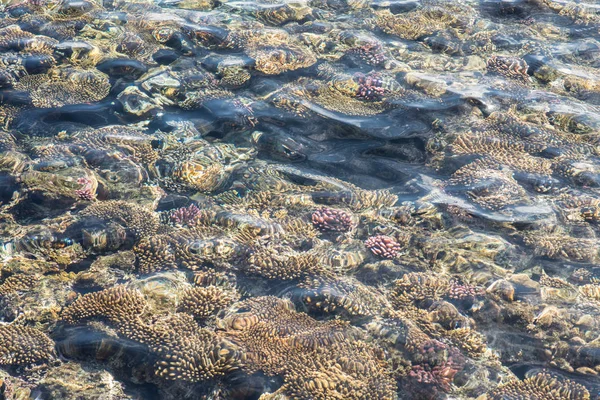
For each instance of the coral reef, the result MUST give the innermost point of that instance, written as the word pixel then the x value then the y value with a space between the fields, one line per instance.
pixel 22 345
pixel 335 199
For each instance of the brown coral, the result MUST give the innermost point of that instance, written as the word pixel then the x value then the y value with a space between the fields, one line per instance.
pixel 345 370
pixel 202 302
pixel 344 295
pixel 556 243
pixel 119 305
pixel 469 340
pixel 542 385
pixel 192 354
pixel 137 219
pixel 15 283
pixel 272 60
pixel 68 86
pixel 281 262
pixel 22 345
pixel 184 350
pixel 416 287
pixel 317 359
pixel 154 254
pixel 511 67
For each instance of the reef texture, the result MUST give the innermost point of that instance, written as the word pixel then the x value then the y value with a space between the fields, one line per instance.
pixel 335 199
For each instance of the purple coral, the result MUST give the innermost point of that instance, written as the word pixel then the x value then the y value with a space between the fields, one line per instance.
pixel 437 363
pixel 188 216
pixel 329 219
pixel 383 246
pixel 462 291
pixel 370 87
pixel 440 375
pixel 87 191
pixel 372 53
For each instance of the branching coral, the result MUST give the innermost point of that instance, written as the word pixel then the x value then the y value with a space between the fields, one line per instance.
pixel 542 385
pixel 345 295
pixel 17 282
pixel 281 262
pixel 184 350
pixel 137 219
pixel 22 345
pixel 202 302
pixel 319 360
pixel 154 253
pixel 193 354
pixel 67 86
pixel 415 287
pixel 119 305
pixel 511 67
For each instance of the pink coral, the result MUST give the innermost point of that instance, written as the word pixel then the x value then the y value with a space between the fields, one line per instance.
pixel 383 246
pixel 329 219
pixel 370 87
pixel 463 291
pixel 437 363
pixel 372 53
pixel 440 375
pixel 188 216
pixel 87 191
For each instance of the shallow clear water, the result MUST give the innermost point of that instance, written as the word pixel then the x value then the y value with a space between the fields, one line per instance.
pixel 341 199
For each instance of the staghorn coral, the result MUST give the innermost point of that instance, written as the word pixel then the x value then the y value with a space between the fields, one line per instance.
pixel 16 283
pixel 541 385
pixel 117 304
pixel 22 346
pixel 345 295
pixel 511 67
pixel 281 262
pixel 316 358
pixel 184 350
pixel 416 287
pixel 67 86
pixel 202 302
pixel 138 220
